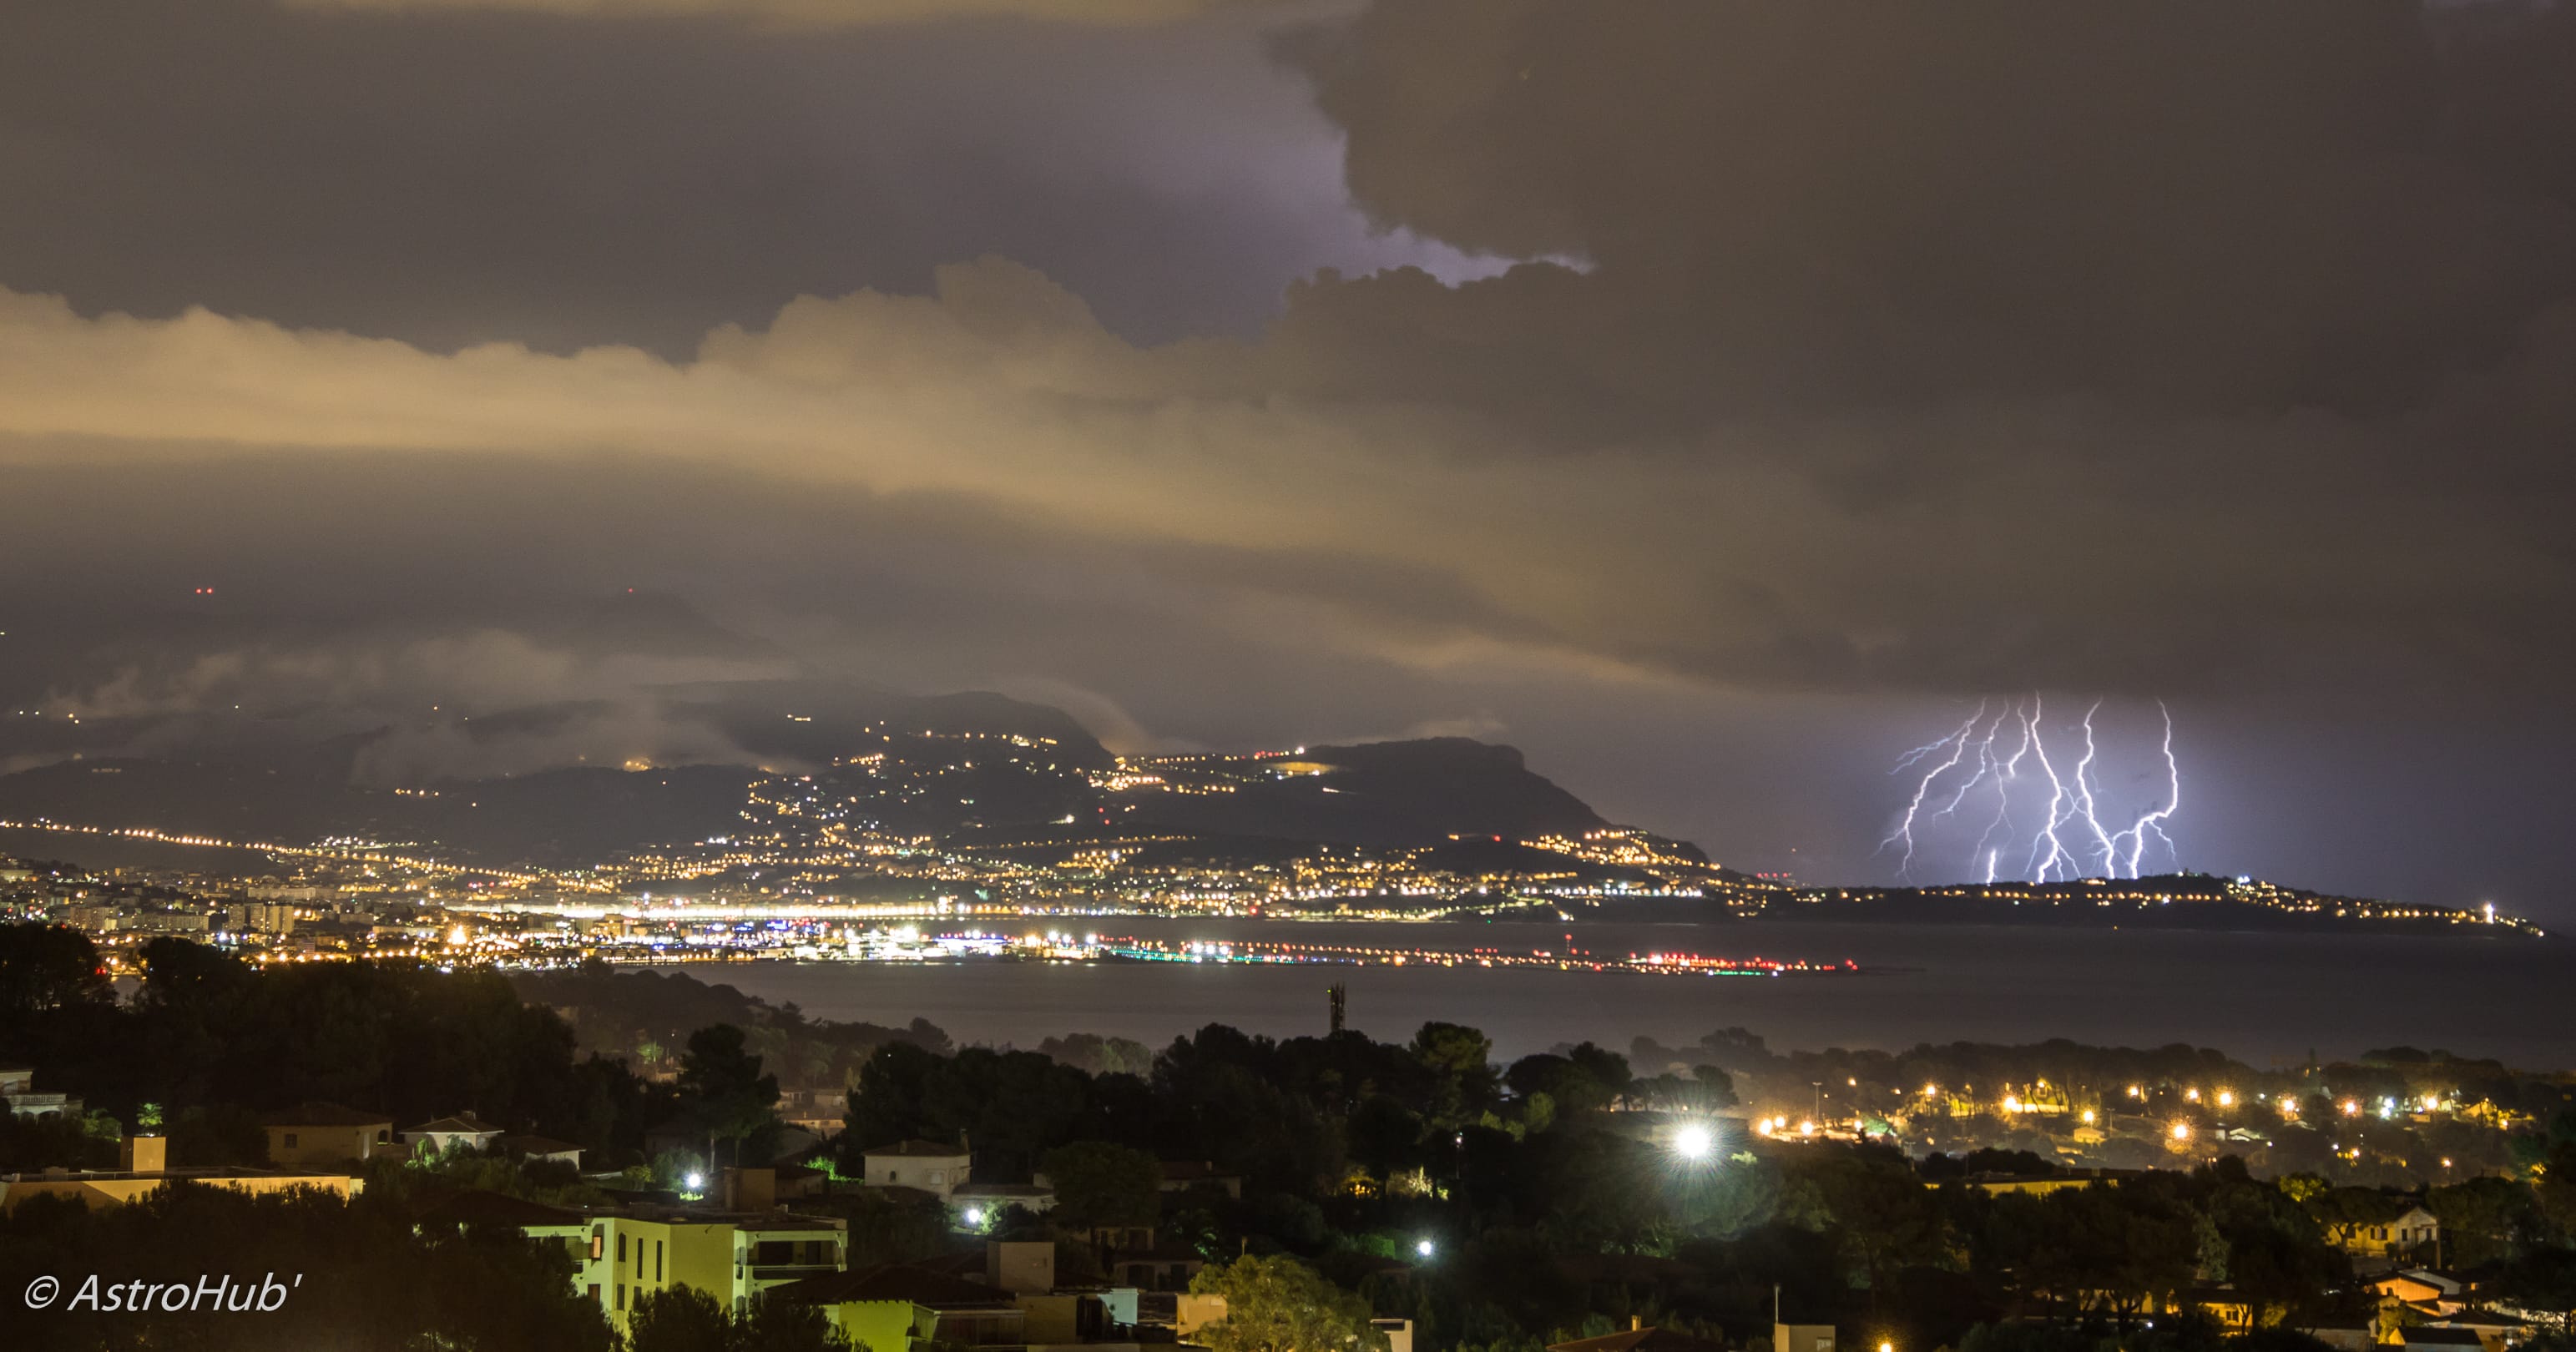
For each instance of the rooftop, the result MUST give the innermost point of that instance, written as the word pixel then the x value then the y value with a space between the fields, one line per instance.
pixel 921 1149
pixel 460 1124
pixel 896 1281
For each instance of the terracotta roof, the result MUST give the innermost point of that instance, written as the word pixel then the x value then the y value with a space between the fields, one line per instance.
pixel 1639 1340
pixel 894 1281
pixel 325 1115
pixel 920 1149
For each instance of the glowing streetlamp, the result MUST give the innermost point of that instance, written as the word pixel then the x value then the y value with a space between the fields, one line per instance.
pixel 1695 1142
pixel 1424 1248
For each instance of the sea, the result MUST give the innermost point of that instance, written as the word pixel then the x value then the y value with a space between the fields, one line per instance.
pixel 2268 999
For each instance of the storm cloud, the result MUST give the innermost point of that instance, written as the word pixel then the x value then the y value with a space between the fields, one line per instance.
pixel 1702 396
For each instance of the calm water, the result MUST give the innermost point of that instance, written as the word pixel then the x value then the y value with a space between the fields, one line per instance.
pixel 2256 996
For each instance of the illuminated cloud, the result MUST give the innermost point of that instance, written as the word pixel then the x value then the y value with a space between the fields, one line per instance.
pixel 821 13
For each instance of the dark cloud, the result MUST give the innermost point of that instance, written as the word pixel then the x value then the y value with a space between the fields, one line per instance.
pixel 2190 206
pixel 1882 360
pixel 457 177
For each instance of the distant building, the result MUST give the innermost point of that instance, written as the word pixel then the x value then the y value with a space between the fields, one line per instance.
pixel 326 1133
pixel 2415 1228
pixel 927 1165
pixel 143 1169
pixel 18 1089
pixel 900 1306
pixel 521 1146
pixel 623 1253
pixel 1183 1175
pixel 442 1134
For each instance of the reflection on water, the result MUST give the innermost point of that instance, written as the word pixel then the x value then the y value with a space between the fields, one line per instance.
pixel 2257 996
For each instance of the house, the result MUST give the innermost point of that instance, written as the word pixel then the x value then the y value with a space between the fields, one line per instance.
pixel 2344 1337
pixel 538 1149
pixel 143 1169
pixel 927 1165
pixel 978 1202
pixel 2495 1331
pixel 2415 1228
pixel 1796 1338
pixel 620 1253
pixel 18 1087
pixel 1155 1267
pixel 326 1133
pixel 2435 1338
pixel 2435 1293
pixel 900 1306
pixel 1183 1175
pixel 439 1135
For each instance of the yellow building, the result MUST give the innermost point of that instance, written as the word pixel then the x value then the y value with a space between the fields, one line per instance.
pixel 143 1171
pixel 326 1133
pixel 625 1252
pixel 899 1306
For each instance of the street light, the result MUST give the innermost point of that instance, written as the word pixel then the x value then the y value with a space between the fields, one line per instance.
pixel 1424 1248
pixel 975 1217
pixel 1694 1142
pixel 695 1181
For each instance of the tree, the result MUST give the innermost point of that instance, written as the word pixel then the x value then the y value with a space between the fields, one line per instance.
pixel 48 967
pixel 678 1319
pixel 1277 1304
pixel 722 1085
pixel 1098 1184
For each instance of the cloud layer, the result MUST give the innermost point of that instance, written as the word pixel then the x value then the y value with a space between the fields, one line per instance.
pixel 1892 359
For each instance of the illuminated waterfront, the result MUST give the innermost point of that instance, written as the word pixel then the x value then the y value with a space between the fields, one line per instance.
pixel 2259 995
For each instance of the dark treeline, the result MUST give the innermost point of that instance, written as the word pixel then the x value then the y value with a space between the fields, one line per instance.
pixel 208 1043
pixel 1500 1204
pixel 1549 1213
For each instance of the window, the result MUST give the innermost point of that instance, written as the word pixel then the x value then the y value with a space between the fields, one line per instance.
pixel 621 1248
pixel 621 1295
pixel 290 1140
pixel 598 1245
pixel 657 1260
pixel 593 1291
pixel 639 1255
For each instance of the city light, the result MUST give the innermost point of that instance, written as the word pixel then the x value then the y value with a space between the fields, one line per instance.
pixel 1695 1142
pixel 2182 1131
pixel 695 1181
pixel 1423 1248
pixel 975 1217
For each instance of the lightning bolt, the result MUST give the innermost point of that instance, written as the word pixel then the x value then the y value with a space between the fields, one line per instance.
pixel 2155 818
pixel 1957 745
pixel 2075 797
pixel 2084 800
pixel 2041 862
pixel 2007 769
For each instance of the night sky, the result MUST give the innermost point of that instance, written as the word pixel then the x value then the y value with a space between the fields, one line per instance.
pixel 1713 400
